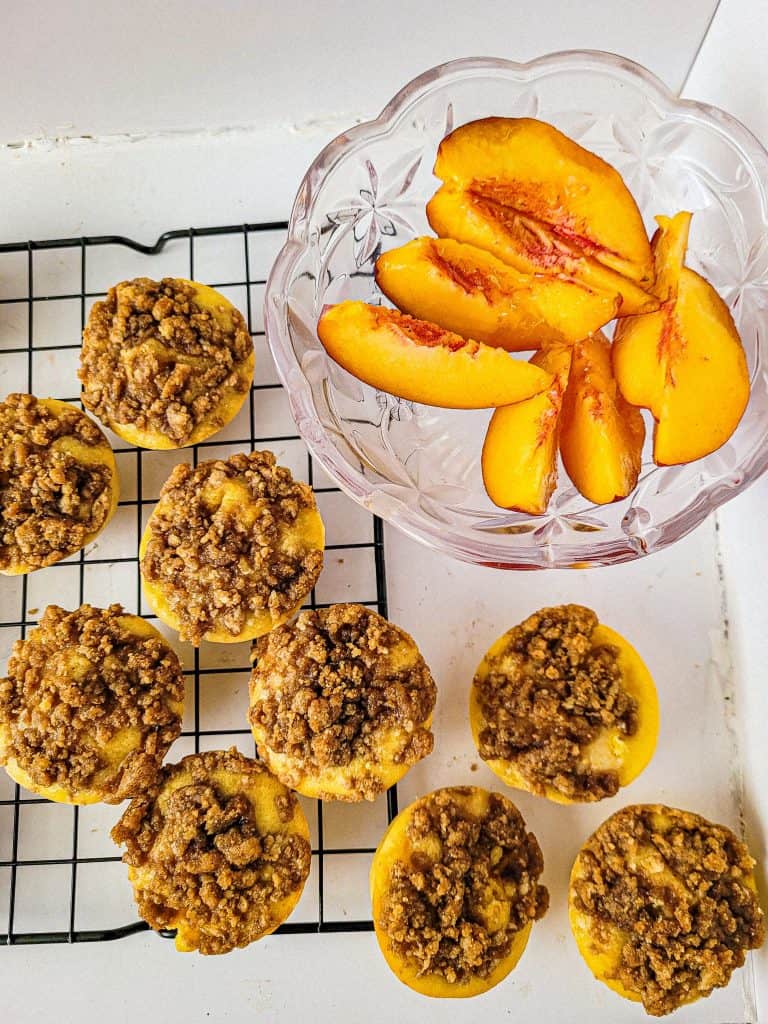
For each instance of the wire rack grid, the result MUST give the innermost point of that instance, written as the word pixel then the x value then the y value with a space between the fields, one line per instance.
pixel 61 879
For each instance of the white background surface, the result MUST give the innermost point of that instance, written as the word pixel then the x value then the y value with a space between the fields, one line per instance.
pixel 85 68
pixel 228 103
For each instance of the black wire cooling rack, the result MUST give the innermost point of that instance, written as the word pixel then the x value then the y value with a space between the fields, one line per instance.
pixel 58 870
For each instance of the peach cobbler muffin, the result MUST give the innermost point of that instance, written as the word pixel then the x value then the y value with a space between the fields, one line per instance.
pixel 455 890
pixel 58 482
pixel 165 364
pixel 564 707
pixel 232 548
pixel 218 850
pixel 341 703
pixel 92 701
pixel 663 905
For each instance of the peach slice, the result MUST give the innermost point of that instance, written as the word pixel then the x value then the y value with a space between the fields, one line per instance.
pixel 601 435
pixel 539 201
pixel 639 374
pixel 684 362
pixel 421 362
pixel 469 291
pixel 531 169
pixel 520 451
pixel 529 246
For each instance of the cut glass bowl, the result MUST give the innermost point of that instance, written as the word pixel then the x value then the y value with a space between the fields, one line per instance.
pixel 419 467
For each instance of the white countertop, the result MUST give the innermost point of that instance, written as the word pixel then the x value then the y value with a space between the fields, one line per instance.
pixel 211 118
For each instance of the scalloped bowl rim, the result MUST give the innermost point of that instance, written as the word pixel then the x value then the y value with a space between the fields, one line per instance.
pixel 482 550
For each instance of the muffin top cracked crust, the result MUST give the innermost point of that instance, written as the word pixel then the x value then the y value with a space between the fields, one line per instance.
pixel 165 364
pixel 219 850
pixel 341 702
pixel 92 701
pixel 58 482
pixel 232 548
pixel 455 888
pixel 564 707
pixel 663 905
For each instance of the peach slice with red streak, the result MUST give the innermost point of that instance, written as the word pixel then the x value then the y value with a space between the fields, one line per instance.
pixel 601 434
pixel 684 362
pixel 530 195
pixel 519 458
pixel 421 362
pixel 469 291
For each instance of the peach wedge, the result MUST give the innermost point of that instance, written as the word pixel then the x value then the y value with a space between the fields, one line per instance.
pixel 601 435
pixel 684 362
pixel 421 362
pixel 520 451
pixel 530 195
pixel 467 290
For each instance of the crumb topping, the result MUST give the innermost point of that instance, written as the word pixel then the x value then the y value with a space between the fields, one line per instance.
pixel 218 562
pixel 547 695
pixel 50 502
pixel 677 892
pixel 152 357
pixel 203 859
pixel 326 689
pixel 77 680
pixel 470 886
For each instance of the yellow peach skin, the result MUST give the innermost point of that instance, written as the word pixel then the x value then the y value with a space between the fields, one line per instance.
pixel 396 846
pixel 467 290
pixel 421 362
pixel 519 459
pixel 628 756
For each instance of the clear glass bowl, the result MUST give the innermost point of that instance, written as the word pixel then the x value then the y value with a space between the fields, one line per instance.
pixel 419 467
